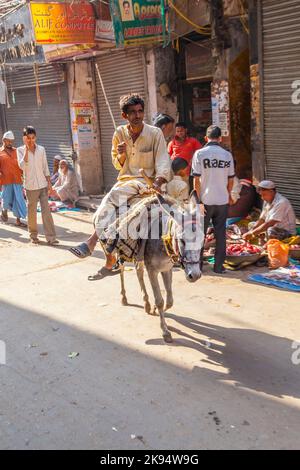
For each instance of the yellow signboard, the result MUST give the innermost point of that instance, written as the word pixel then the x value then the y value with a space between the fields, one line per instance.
pixel 63 23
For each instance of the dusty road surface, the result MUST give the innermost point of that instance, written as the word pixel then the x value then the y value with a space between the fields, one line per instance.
pixel 226 382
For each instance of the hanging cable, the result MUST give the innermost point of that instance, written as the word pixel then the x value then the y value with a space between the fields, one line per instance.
pixel 205 30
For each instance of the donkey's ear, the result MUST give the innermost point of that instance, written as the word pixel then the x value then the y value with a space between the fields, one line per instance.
pixel 194 200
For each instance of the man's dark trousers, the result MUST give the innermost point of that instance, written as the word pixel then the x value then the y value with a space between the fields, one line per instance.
pixel 218 216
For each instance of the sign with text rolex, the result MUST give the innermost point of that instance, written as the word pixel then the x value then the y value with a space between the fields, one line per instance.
pixel 138 22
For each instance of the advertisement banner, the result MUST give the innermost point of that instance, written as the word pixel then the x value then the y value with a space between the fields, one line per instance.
pixel 138 22
pixel 63 23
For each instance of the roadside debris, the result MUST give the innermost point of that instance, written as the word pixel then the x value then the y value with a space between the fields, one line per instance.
pixel 71 355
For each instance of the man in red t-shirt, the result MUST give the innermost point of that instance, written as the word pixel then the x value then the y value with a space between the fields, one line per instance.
pixel 183 146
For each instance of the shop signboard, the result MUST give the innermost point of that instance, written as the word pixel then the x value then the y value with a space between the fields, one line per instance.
pixel 138 22
pixel 63 23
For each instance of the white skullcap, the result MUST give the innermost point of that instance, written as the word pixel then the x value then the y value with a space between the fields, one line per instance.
pixel 8 135
pixel 266 184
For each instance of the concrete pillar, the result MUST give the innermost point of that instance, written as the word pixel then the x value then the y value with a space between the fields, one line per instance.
pixel 85 126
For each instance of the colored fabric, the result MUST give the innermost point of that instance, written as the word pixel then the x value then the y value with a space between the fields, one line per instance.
pixel 214 165
pixel 36 170
pixel 10 173
pixel 281 278
pixel 13 200
pixel 148 152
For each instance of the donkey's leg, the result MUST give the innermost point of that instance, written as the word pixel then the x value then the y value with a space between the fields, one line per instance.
pixel 123 292
pixel 167 278
pixel 140 275
pixel 159 304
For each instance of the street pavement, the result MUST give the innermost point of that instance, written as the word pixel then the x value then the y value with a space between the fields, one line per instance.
pixel 226 382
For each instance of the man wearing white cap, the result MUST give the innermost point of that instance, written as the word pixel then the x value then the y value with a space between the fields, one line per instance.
pixel 277 219
pixel 11 181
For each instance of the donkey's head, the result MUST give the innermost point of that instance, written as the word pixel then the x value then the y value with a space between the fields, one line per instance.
pixel 188 234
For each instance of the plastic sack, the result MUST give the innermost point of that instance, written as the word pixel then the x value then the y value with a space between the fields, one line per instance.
pixel 278 254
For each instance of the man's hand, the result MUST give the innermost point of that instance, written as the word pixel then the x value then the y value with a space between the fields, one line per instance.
pixel 50 189
pixel 157 183
pixel 248 236
pixel 231 201
pixel 121 148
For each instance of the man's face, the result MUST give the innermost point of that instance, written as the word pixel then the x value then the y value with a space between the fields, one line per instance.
pixel 267 195
pixel 168 130
pixel 30 140
pixel 126 9
pixel 8 143
pixel 63 167
pixel 180 133
pixel 134 115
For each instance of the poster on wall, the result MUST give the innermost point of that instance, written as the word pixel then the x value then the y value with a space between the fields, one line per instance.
pixel 82 117
pixel 138 22
pixel 220 105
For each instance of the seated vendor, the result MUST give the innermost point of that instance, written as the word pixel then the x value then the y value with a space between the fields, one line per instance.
pixel 277 219
pixel 66 188
pixel 55 175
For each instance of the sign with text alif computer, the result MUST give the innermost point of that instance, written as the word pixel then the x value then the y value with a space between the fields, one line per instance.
pixel 138 22
pixel 63 23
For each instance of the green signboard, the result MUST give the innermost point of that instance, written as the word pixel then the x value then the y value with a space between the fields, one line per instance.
pixel 138 22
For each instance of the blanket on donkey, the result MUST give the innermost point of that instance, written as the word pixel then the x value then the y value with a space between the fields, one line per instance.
pixel 126 236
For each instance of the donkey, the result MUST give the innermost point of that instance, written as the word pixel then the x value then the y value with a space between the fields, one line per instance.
pixel 187 239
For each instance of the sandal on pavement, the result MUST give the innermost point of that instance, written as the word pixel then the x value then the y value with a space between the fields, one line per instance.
pixel 34 241
pixel 53 242
pixel 4 217
pixel 81 251
pixel 102 273
pixel 21 224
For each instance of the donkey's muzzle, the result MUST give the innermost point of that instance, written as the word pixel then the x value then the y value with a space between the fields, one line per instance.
pixel 193 275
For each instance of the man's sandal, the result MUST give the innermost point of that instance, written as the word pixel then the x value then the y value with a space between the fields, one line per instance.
pixel 104 272
pixel 81 251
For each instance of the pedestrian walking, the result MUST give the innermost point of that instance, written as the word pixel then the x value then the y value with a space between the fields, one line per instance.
pixel 213 172
pixel 11 181
pixel 32 160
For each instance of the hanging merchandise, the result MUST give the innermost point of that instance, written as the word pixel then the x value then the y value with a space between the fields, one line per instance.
pixel 138 22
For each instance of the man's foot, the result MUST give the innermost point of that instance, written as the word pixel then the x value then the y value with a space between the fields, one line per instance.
pixel 20 224
pixel 81 251
pixel 53 242
pixel 34 241
pixel 104 272
pixel 4 216
pixel 220 271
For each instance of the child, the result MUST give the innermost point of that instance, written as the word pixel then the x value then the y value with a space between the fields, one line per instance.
pixel 178 188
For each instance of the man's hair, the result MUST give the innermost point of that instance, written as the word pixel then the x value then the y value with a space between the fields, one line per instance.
pixel 178 164
pixel 28 130
pixel 126 3
pixel 130 100
pixel 213 132
pixel 161 119
pixel 181 124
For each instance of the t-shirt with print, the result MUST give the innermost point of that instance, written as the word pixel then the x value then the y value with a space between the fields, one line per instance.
pixel 214 165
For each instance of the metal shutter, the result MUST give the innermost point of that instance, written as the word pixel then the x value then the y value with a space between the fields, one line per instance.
pixel 122 72
pixel 281 67
pixel 51 120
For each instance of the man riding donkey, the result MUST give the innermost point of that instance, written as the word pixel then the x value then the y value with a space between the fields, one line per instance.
pixel 135 146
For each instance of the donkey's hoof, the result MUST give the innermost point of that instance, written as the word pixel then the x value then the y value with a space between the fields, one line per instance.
pixel 168 306
pixel 154 312
pixel 147 307
pixel 168 338
pixel 124 301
